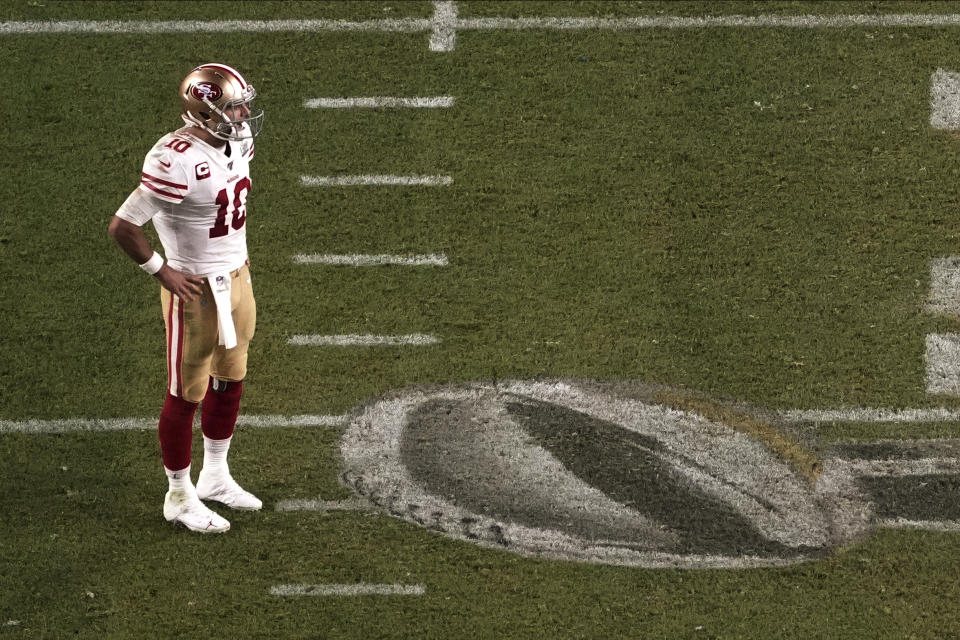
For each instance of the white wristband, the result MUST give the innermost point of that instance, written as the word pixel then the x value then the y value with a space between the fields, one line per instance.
pixel 153 265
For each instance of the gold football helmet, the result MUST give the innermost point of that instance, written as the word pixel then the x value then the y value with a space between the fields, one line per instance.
pixel 218 99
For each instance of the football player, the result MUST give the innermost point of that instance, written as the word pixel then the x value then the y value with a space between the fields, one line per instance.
pixel 194 187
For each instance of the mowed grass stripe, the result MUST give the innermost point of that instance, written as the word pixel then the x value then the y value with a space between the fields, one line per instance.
pixel 360 589
pixel 67 425
pixel 370 260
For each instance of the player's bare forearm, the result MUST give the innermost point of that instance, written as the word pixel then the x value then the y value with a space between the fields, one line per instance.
pixel 131 239
pixel 134 243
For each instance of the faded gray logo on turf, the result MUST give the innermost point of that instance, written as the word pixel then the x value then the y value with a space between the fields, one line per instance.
pixel 620 473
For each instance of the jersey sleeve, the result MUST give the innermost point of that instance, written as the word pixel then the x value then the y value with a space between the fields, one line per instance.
pixel 139 208
pixel 164 176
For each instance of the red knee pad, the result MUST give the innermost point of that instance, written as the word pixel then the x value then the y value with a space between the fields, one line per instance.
pixel 176 432
pixel 220 408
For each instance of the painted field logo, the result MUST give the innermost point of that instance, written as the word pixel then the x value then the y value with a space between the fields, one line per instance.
pixel 620 473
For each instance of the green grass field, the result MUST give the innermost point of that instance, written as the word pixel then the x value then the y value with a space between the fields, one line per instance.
pixel 746 212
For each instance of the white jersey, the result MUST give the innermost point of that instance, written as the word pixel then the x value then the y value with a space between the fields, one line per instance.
pixel 201 196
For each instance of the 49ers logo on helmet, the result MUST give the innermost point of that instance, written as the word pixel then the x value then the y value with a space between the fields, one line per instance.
pixel 206 90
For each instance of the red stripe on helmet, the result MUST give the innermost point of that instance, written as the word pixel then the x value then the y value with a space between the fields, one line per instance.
pixel 229 70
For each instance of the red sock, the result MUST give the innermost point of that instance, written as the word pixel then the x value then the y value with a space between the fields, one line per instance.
pixel 220 408
pixel 176 432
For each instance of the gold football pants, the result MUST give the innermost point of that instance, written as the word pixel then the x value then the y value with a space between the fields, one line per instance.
pixel 193 354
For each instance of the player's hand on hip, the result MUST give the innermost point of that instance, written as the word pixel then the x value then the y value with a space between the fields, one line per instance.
pixel 186 286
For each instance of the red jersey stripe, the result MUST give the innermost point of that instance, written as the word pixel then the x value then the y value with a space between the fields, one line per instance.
pixel 176 196
pixel 166 183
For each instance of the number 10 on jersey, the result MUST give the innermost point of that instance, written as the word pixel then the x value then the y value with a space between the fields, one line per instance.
pixel 240 191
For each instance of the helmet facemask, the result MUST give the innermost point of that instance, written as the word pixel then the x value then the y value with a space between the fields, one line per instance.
pixel 228 128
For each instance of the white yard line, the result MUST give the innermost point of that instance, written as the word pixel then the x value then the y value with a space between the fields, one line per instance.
pixel 913 442
pixel 402 25
pixel 374 180
pixel 360 589
pixel 945 99
pixel 365 340
pixel 267 421
pixel 68 425
pixel 442 27
pixel 944 297
pixel 77 424
pixel 375 102
pixel 943 350
pixel 943 363
pixel 706 22
pixel 369 260
pixel 323 506
pixel 903 468
pixel 275 421
pixel 444 24
pixel 927 525
pixel 866 414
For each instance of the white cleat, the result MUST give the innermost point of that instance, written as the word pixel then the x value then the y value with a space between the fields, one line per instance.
pixel 186 508
pixel 226 490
